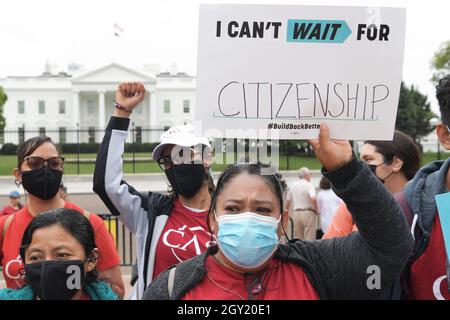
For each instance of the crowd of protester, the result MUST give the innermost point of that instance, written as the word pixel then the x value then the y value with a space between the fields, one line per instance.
pixel 229 241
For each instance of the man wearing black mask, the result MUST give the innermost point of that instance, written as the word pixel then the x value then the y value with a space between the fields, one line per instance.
pixel 168 228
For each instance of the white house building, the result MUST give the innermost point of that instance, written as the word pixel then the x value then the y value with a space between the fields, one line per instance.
pixel 61 102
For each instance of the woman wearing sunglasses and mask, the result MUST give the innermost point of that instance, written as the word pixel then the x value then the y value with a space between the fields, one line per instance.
pixel 168 228
pixel 60 256
pixel 247 219
pixel 40 170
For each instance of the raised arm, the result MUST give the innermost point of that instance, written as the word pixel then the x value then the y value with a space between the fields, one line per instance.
pixel 120 198
pixel 382 245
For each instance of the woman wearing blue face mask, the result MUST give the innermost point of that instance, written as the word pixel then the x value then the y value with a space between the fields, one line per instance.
pixel 247 221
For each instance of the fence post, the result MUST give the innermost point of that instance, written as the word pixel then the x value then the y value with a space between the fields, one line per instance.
pixel 78 148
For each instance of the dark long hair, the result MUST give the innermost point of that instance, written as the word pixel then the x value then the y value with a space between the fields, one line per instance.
pixel 29 146
pixel 443 98
pixel 70 220
pixel 403 147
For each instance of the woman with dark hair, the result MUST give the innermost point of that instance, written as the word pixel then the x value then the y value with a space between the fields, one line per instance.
pixel 39 170
pixel 247 219
pixel 393 162
pixel 60 255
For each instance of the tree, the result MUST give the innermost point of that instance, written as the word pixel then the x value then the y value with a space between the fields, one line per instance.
pixel 440 63
pixel 3 98
pixel 414 113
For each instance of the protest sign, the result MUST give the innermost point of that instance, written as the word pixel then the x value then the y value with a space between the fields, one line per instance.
pixel 286 69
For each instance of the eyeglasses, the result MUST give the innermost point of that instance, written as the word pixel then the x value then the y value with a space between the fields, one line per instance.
pixel 36 163
pixel 166 162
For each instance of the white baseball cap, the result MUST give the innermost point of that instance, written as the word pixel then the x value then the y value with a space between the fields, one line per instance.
pixel 182 135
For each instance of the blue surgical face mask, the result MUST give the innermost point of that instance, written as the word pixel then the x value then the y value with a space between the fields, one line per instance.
pixel 247 239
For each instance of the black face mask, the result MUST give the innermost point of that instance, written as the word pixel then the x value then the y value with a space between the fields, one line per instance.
pixel 43 183
pixel 373 168
pixel 186 179
pixel 55 280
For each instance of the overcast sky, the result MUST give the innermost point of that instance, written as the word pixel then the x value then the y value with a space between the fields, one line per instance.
pixel 165 32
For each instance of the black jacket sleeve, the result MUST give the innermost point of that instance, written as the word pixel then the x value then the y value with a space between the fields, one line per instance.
pixel 363 264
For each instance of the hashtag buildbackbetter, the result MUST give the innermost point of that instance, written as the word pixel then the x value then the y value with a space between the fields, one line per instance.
pixel 292 126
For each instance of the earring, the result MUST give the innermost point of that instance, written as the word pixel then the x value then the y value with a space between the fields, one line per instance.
pixel 17 183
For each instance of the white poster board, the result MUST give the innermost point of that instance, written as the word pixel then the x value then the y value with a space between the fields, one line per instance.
pixel 286 69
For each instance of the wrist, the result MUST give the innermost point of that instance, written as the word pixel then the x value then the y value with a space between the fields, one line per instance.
pixel 120 111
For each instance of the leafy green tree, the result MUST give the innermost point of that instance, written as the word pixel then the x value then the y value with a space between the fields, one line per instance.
pixel 414 113
pixel 440 63
pixel 3 98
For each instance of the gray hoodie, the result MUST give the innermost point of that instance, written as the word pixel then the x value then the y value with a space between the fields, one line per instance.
pixel 419 193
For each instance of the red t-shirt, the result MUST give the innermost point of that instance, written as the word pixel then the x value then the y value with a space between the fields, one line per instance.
pixel 84 296
pixel 184 236
pixel 10 250
pixel 281 281
pixel 6 211
pixel 428 273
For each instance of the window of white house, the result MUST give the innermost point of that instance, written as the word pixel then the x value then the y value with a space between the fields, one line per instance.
pixel 41 107
pixel 62 135
pixel 91 107
pixel 91 134
pixel 186 106
pixel 21 134
pixel 62 107
pixel 21 107
pixel 166 104
pixel 138 132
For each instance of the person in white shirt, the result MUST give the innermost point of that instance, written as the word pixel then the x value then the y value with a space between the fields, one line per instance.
pixel 327 203
pixel 302 196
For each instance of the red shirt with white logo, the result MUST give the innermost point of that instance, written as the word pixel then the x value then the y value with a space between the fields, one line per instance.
pixel 280 281
pixel 10 250
pixel 428 273
pixel 185 235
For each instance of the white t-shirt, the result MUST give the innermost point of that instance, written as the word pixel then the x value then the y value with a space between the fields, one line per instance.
pixel 301 193
pixel 327 204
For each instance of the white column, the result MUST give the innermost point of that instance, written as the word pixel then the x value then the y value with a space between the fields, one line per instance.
pixel 153 109
pixel 101 110
pixel 76 108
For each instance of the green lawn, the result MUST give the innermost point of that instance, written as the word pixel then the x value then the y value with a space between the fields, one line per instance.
pixel 7 163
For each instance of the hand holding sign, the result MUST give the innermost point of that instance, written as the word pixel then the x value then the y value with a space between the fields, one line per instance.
pixel 333 154
pixel 130 94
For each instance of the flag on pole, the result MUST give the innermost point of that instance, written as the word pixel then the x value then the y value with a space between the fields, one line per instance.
pixel 117 30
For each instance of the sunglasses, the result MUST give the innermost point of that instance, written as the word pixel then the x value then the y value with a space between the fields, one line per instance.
pixel 166 162
pixel 36 163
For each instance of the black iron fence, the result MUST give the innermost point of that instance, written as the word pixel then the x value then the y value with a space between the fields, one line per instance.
pixel 79 147
pixel 123 239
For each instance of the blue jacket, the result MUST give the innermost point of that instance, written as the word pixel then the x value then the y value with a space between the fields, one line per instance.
pixel 98 290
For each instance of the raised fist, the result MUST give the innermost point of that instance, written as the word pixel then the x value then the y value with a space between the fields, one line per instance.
pixel 333 154
pixel 130 94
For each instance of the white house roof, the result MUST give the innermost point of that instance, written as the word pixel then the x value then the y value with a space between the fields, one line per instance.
pixel 113 73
